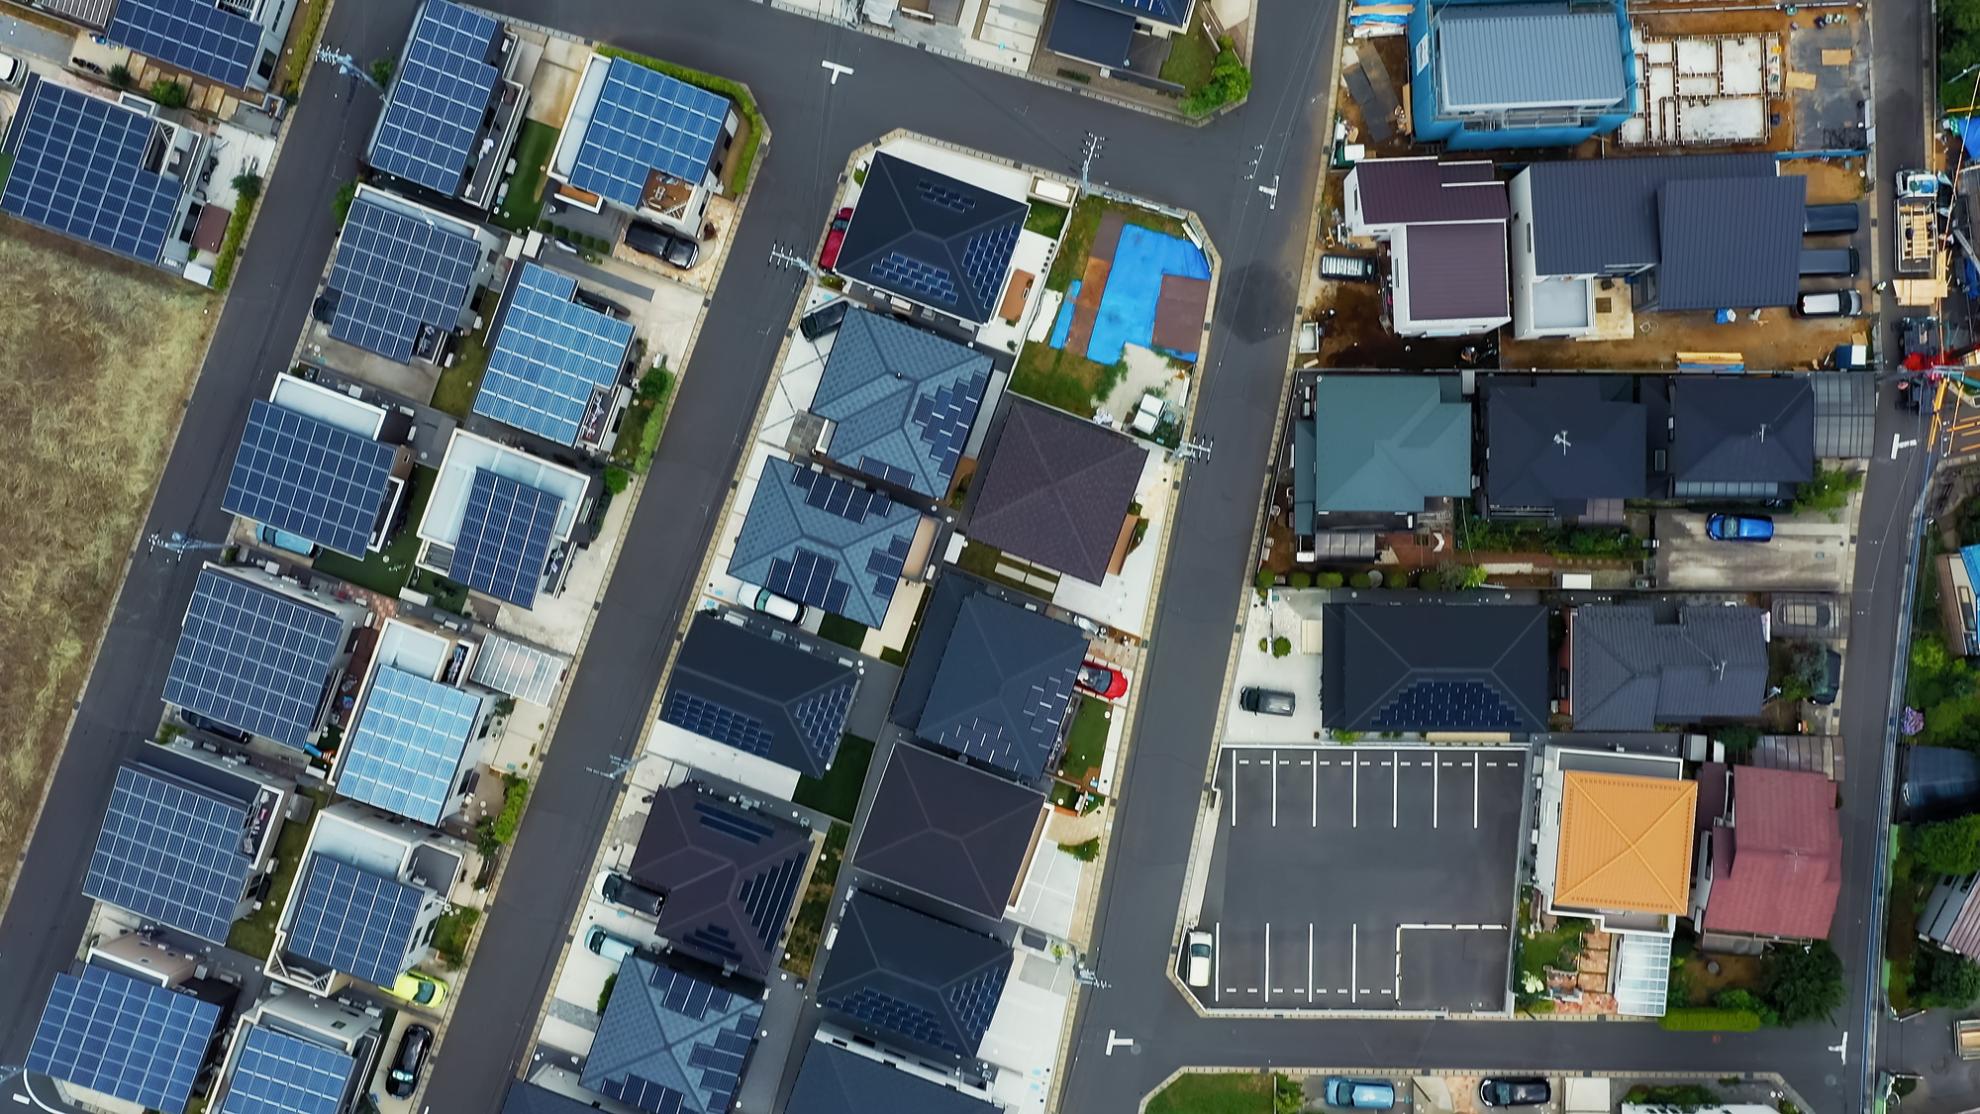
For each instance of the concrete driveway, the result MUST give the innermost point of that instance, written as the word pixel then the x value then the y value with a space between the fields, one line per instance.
pixel 1808 552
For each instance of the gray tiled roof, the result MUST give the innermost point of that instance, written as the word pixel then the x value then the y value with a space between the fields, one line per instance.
pixel 1731 244
pixel 1388 442
pixel 931 238
pixel 782 526
pixel 1630 672
pixel 764 696
pixel 1557 441
pixel 905 977
pixel 1427 190
pixel 835 1080
pixel 728 876
pixel 948 830
pixel 1005 680
pixel 528 1098
pixel 1591 215
pixel 1434 667
pixel 1174 12
pixel 1056 490
pixel 1457 272
pixel 671 1042
pixel 903 400
pixel 1495 56
pixel 1743 429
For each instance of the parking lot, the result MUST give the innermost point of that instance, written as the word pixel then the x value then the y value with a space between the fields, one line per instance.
pixel 1809 551
pixel 1363 878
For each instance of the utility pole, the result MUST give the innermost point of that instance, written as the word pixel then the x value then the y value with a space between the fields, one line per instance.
pixel 786 258
pixel 616 770
pixel 178 545
pixel 1192 450
pixel 1089 149
pixel 348 66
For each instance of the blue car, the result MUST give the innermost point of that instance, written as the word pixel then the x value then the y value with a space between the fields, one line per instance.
pixel 1739 528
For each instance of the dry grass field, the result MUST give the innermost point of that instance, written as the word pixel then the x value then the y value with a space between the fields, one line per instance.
pixel 97 356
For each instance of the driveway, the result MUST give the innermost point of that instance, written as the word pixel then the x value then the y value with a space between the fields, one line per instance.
pixel 1808 552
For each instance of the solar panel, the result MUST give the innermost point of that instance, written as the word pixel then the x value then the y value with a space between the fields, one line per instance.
pixel 712 720
pixel 986 256
pixel 196 35
pixel 504 541
pixel 670 1042
pixel 253 658
pixel 400 282
pixel 408 745
pixel 646 121
pixel 309 478
pixel 276 1073
pixel 1448 705
pixel 79 170
pixel 119 1036
pixel 918 277
pixel 354 921
pixel 171 854
pixel 440 95
pixel 552 357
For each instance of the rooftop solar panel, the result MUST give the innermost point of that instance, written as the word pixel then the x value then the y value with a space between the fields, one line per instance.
pixel 646 121
pixel 354 921
pixel 196 35
pixel 440 94
pixel 171 854
pixel 309 478
pixel 670 1042
pixel 119 1036
pixel 407 749
pixel 253 658
pixel 505 538
pixel 79 170
pixel 552 359
pixel 400 282
pixel 276 1073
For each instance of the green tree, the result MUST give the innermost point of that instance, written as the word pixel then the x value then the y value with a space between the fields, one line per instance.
pixel 1281 646
pixel 1803 984
pixel 1797 669
pixel 1948 846
pixel 170 94
pixel 247 186
pixel 120 76
pixel 1944 980
pixel 616 479
pixel 1747 1001
pixel 381 71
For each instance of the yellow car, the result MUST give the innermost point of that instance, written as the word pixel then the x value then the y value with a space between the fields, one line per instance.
pixel 420 989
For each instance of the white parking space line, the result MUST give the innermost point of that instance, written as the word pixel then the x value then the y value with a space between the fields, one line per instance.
pixel 1275 789
pixel 1309 961
pixel 1354 779
pixel 1217 962
pixel 1268 957
pixel 1316 796
pixel 1354 963
pixel 1433 791
pixel 1395 795
pixel 1474 795
pixel 1234 762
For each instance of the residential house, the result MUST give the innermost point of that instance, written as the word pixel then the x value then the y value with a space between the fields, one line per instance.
pixel 1671 232
pixel 298 1053
pixel 93 14
pixel 454 105
pixel 920 236
pixel 1959 617
pixel 898 403
pixel 237 44
pixel 111 1038
pixel 421 732
pixel 844 1077
pixel 403 280
pixel 1056 491
pixel 1102 32
pixel 1773 869
pixel 1741 437
pixel 1490 74
pixel 1374 451
pixel 672 1041
pixel 560 362
pixel 502 522
pixel 645 143
pixel 828 541
pixel 1461 668
pixel 317 467
pixel 949 836
pixel 1636 667
pixel 1445 225
pixel 1564 447
pixel 532 1098
pixel 909 981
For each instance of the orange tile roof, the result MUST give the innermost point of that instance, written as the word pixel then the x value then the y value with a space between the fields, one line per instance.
pixel 1625 843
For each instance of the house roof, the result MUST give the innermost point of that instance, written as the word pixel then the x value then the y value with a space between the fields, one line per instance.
pixel 1174 12
pixel 1434 667
pixel 1625 843
pixel 1558 441
pixel 765 696
pixel 528 1098
pixel 173 851
pixel 309 477
pixel 1743 429
pixel 902 400
pixel 444 85
pixel 903 975
pixel 670 1042
pixel 1730 244
pixel 948 830
pixel 107 1032
pixel 212 40
pixel 79 169
pixel 1389 442
pixel 1632 671
pixel 1091 32
pixel 1590 215
pixel 932 239
pixel 1003 685
pixel 1056 490
pixel 646 123
pixel 1457 272
pixel 253 658
pixel 729 876
pixel 1428 191
pixel 837 1080
pixel 411 740
pixel 824 541
pixel 1782 870
pixel 350 919
pixel 1496 56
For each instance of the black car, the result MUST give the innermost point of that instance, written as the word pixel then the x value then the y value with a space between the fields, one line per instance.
pixel 825 319
pixel 662 244
pixel 1515 1092
pixel 621 890
pixel 413 1047
pixel 1820 220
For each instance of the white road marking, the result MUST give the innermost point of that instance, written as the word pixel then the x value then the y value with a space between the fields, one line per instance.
pixel 1217 961
pixel 1316 796
pixel 1354 961
pixel 1309 961
pixel 1433 792
pixel 1325 762
pixel 1306 761
pixel 1474 797
pixel 1354 776
pixel 1234 766
pixel 1114 1041
pixel 1385 763
pixel 1467 765
pixel 836 69
pixel 1395 796
pixel 1268 953
pixel 1275 789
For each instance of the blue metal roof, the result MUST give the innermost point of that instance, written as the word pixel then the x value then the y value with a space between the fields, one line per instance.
pixel 276 1073
pixel 351 920
pixel 824 542
pixel 761 695
pixel 253 658
pixel 1005 681
pixel 1096 33
pixel 555 361
pixel 837 1080
pixel 79 170
pixel 1175 12
pixel 903 401
pixel 903 975
pixel 646 121
pixel 309 478
pixel 400 282
pixel 937 240
pixel 671 1043
pixel 119 1036
pixel 196 35
pixel 171 852
pixel 505 536
pixel 405 755
pixel 440 93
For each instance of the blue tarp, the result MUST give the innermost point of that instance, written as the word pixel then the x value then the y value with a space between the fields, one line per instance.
pixel 1062 324
pixel 1970 134
pixel 1134 286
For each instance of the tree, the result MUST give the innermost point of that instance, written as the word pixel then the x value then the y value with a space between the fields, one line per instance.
pixel 1281 646
pixel 1748 1002
pixel 170 94
pixel 120 76
pixel 381 71
pixel 1944 979
pixel 1797 670
pixel 247 186
pixel 1948 846
pixel 1803 984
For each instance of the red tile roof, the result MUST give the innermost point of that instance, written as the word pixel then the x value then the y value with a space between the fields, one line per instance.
pixel 1778 870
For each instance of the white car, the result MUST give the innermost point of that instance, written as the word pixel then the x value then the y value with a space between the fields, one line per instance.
pixel 777 607
pixel 1196 959
pixel 12 71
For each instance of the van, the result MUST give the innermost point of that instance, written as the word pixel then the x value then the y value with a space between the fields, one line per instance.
pixel 1830 303
pixel 1841 262
pixel 1196 958
pixel 1823 220
pixel 1266 702
pixel 12 70
pixel 825 319
pixel 1348 268
pixel 621 890
pixel 607 946
pixel 1359 1094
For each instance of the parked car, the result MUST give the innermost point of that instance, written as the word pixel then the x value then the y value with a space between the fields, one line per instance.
pixel 1266 702
pixel 403 1079
pixel 1831 680
pixel 607 946
pixel 1822 220
pixel 1348 268
pixel 621 890
pixel 1515 1092
pixel 12 70
pixel 285 541
pixel 680 251
pixel 1830 303
pixel 1920 336
pixel 1841 262
pixel 825 319
pixel 1358 1094
pixel 1102 679
pixel 777 607
pixel 1739 528
pixel 1196 958
pixel 421 989
pixel 1911 392
pixel 835 238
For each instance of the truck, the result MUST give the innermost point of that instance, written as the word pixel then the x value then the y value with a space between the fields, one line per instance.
pixel 1917 222
pixel 1966 1038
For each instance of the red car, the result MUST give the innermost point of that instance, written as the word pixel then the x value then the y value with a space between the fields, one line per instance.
pixel 828 257
pixel 1102 680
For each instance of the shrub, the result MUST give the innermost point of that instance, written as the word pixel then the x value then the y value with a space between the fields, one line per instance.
pixel 605 993
pixel 1429 580
pixel 1947 847
pixel 120 77
pixel 230 243
pixel 1746 1001
pixel 1329 580
pixel 1299 578
pixel 1264 581
pixel 1085 852
pixel 1707 1019
pixel 1281 646
pixel 1804 984
pixel 170 94
pixel 515 795
pixel 616 479
pixel 1361 580
pixel 1828 490
pixel 247 185
pixel 340 203
pixel 1738 739
pixel 1944 980
pixel 1229 82
pixel 381 71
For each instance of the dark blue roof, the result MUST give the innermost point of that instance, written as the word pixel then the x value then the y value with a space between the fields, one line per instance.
pixel 670 1042
pixel 1174 12
pixel 528 1098
pixel 119 1036
pixel 1435 667
pixel 354 921
pixel 646 121
pixel 505 537
pixel 931 238
pixel 729 876
pixel 171 852
pixel 276 1073
pixel 399 282
pixel 903 401
pixel 1001 691
pixel 1096 33
pixel 836 1080
pixel 307 477
pixel 555 360
pixel 78 170
pixel 903 976
pixel 824 541
pixel 253 658
pixel 196 35
pixel 440 92
pixel 948 830
pixel 763 696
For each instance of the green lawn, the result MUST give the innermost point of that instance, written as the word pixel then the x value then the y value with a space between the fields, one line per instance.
pixel 1086 742
pixel 1085 224
pixel 837 793
pixel 458 384
pixel 1226 1093
pixel 1556 949
pixel 1046 219
pixel 254 934
pixel 808 927
pixel 524 202
pixel 845 632
pixel 387 570
pixel 452 934
pixel 1190 58
pixel 1063 379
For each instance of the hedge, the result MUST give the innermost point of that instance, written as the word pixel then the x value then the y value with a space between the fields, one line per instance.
pixel 230 244
pixel 734 90
pixel 1706 1019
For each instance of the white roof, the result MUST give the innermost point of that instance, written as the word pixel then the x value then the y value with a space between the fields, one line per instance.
pixel 467 452
pixel 325 405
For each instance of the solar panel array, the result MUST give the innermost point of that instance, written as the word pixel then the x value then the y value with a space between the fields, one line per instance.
pixel 923 279
pixel 765 897
pixel 171 854
pixel 119 1036
pixel 944 416
pixel 713 720
pixel 276 1073
pixel 986 256
pixel 354 921
pixel 440 94
pixel 646 121
pixel 844 498
pixel 400 281
pixel 552 356
pixel 78 170
pixel 408 745
pixel 253 658
pixel 715 1060
pixel 1448 705
pixel 505 537
pixel 309 478
pixel 196 35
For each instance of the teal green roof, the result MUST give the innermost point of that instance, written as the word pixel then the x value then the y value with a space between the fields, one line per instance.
pixel 1385 443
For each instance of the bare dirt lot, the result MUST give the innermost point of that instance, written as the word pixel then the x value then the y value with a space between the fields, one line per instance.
pixel 97 356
